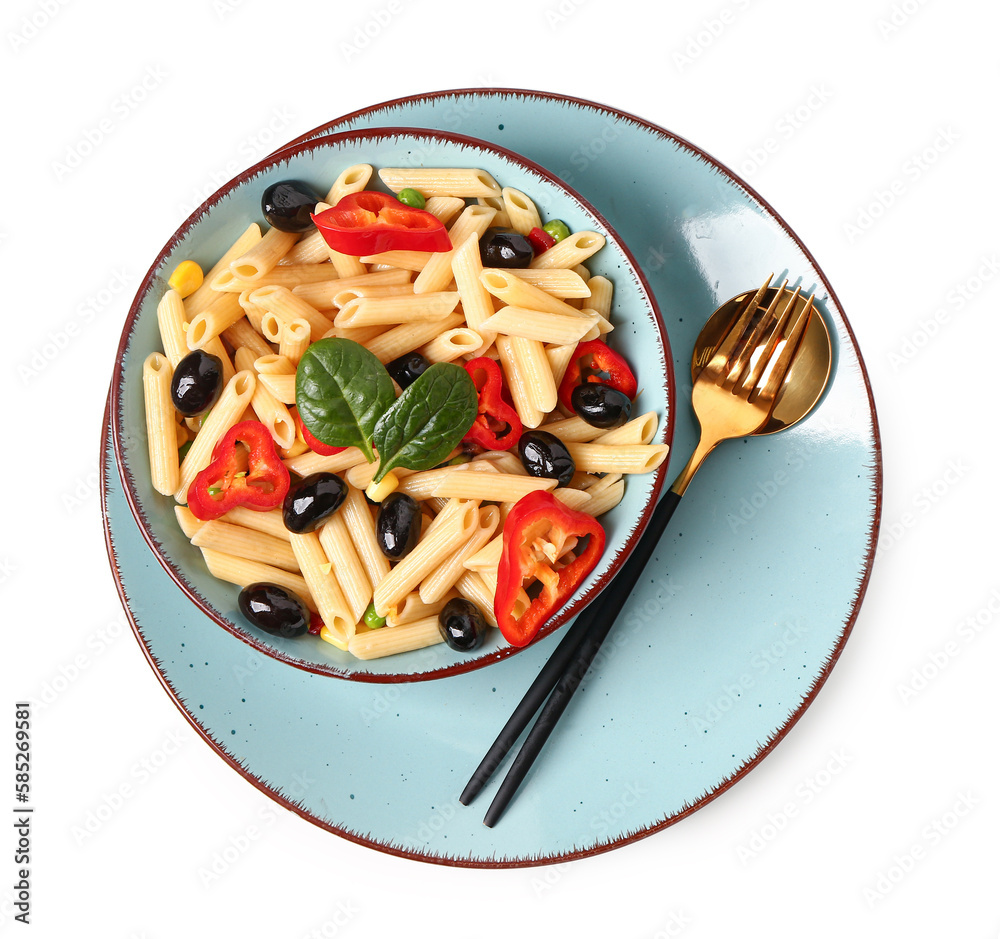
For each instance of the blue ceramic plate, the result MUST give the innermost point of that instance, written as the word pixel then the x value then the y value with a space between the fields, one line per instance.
pixel 209 232
pixel 726 641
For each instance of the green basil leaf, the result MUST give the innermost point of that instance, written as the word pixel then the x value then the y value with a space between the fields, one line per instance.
pixel 341 390
pixel 428 420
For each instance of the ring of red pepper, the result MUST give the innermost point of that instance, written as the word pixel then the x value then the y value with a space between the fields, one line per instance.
pixel 494 412
pixel 592 361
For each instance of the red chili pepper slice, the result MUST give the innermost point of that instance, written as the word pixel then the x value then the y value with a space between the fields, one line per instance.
pixel 495 414
pixel 372 222
pixel 536 534
pixel 540 240
pixel 251 475
pixel 317 446
pixel 601 361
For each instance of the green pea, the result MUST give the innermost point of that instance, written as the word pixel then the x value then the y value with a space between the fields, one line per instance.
pixel 413 198
pixel 372 619
pixel 557 228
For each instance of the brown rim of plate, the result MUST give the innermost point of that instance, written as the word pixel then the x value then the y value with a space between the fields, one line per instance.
pixel 150 282
pixel 765 748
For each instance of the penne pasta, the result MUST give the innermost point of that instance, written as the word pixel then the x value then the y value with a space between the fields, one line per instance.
pixel 513 291
pixel 243 572
pixel 446 574
pixel 270 411
pixel 245 543
pixel 570 251
pixel 413 608
pixel 320 295
pixel 436 274
pixel 409 336
pixel 265 254
pixel 161 429
pixel 294 340
pixel 204 296
pixel 543 327
pixel 522 215
pixel 409 308
pixel 640 430
pixel 335 538
pixel 377 643
pixel 285 307
pixel 353 179
pixel 452 344
pixel 171 319
pixel 431 181
pixel 214 321
pixel 557 282
pixel 477 303
pixel 496 487
pixel 241 335
pixel 323 586
pixel 602 458
pixel 361 527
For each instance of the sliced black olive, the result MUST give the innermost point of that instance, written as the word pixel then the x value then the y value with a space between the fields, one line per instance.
pixel 462 625
pixel 407 368
pixel 397 525
pixel 311 502
pixel 274 609
pixel 544 454
pixel 601 405
pixel 288 205
pixel 197 383
pixel 501 247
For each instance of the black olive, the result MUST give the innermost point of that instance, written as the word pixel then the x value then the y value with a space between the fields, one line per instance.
pixel 407 368
pixel 397 525
pixel 501 247
pixel 601 405
pixel 312 501
pixel 462 625
pixel 197 383
pixel 544 454
pixel 274 609
pixel 288 205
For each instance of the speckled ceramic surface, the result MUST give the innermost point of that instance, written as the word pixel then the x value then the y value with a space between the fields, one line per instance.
pixel 205 236
pixel 778 532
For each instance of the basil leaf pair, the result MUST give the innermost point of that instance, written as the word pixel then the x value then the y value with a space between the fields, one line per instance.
pixel 345 398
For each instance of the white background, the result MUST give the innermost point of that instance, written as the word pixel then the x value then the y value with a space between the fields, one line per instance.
pixel 867 103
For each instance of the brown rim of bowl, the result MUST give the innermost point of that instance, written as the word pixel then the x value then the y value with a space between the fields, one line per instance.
pixel 149 282
pixel 765 748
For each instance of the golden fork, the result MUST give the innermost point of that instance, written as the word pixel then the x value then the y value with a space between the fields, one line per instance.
pixel 733 396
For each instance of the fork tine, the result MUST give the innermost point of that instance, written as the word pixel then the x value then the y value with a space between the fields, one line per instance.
pixel 729 341
pixel 780 369
pixel 776 324
pixel 740 365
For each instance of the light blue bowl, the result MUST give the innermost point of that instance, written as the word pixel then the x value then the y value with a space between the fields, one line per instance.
pixel 209 232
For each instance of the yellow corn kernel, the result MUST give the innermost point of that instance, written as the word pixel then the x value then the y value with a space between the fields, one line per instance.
pixel 328 636
pixel 378 491
pixel 186 278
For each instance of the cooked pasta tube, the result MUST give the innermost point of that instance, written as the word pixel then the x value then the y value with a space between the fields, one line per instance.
pixel 270 523
pixel 409 308
pixel 254 312
pixel 218 317
pixel 186 520
pixel 273 364
pixel 421 485
pixel 574 498
pixel 216 348
pixel 282 387
pixel 253 265
pixel 377 643
pixel 361 527
pixel 342 297
pixel 271 412
pixel 557 282
pixel 246 543
pixel 575 429
pixel 569 252
pixel 311 248
pixel 601 458
pixel 171 319
pixel 496 487
pixel 404 260
pixel 521 211
pixel 353 179
pixel 512 290
pixel 517 382
pixel 472 586
pixel 204 296
pixel 501 219
pixel 444 208
pixel 443 578
pixel 320 295
pixel 281 275
pixel 432 181
pixel 559 358
pixel 335 538
pixel 323 586
pixel 601 293
pixel 413 608
pixel 226 412
pixel 541 326
pixel 488 556
pixel 409 336
pixel 242 335
pixel 295 339
pixel 286 307
pixel 640 429
pixel 308 463
pixel 161 430
pixel 437 274
pixel 477 303
pixel 450 528
pixel 527 358
pixel 606 499
pixel 452 344
pixel 242 572
pixel 601 327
